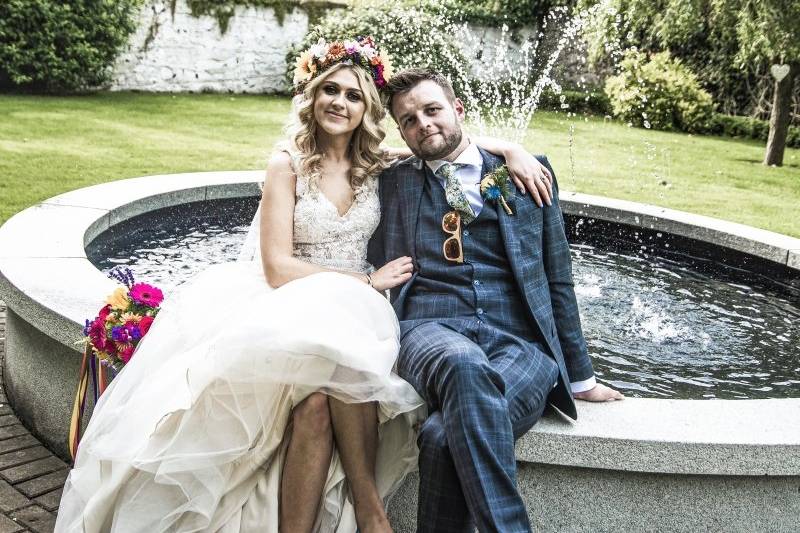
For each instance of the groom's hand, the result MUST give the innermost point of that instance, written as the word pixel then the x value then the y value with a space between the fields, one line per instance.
pixel 600 393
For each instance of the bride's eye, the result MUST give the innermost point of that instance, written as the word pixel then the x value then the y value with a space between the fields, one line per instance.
pixel 354 97
pixel 329 89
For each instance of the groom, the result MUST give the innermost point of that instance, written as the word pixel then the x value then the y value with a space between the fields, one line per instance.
pixel 489 322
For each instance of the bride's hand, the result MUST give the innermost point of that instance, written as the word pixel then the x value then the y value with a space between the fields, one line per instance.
pixel 529 174
pixel 525 170
pixel 392 274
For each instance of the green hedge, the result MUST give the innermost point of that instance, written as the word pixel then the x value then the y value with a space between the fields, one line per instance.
pixel 513 13
pixel 749 128
pixel 660 92
pixel 585 102
pixel 61 46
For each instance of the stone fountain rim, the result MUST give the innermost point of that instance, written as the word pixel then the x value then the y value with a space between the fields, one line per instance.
pixel 44 245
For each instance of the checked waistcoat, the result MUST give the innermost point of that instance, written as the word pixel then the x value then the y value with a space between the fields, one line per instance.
pixel 481 288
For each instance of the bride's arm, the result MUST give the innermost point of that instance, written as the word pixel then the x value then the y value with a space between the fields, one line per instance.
pixel 393 153
pixel 277 233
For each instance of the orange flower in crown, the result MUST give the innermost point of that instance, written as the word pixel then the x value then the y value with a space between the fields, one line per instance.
pixel 361 51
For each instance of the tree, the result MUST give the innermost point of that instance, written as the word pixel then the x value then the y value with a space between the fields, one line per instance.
pixel 729 44
pixel 770 30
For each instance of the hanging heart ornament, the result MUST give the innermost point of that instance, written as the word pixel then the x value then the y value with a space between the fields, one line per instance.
pixel 779 72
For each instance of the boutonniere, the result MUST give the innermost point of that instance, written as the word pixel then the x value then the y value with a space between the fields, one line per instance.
pixel 495 186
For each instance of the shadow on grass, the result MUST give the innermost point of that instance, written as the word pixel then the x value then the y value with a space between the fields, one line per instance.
pixel 786 164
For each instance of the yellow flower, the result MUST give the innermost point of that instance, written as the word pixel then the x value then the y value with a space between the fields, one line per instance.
pixel 388 69
pixel 486 183
pixel 131 317
pixel 305 67
pixel 119 299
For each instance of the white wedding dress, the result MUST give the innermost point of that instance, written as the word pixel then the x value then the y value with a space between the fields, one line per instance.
pixel 190 435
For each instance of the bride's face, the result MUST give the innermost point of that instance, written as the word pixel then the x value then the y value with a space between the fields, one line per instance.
pixel 339 103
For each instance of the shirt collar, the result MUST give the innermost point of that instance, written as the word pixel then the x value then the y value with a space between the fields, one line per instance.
pixel 469 157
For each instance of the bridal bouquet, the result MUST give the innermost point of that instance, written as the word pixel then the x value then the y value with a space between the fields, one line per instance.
pixel 110 340
pixel 125 319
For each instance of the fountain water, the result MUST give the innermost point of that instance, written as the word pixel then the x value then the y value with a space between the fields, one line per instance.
pixel 714 463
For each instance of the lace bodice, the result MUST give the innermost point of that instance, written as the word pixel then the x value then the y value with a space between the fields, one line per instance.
pixel 323 237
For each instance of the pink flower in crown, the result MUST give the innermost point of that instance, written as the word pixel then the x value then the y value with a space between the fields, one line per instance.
pixel 145 294
pixel 380 81
pixel 336 51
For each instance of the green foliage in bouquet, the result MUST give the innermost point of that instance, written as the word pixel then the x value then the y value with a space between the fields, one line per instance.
pixel 659 92
pixel 61 46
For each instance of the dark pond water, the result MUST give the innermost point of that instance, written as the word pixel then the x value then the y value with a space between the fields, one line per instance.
pixel 658 325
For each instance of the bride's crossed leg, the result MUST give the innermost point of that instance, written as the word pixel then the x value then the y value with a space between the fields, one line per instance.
pixel 305 468
pixel 316 423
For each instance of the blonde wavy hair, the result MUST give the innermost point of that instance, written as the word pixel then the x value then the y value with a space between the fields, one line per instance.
pixel 366 156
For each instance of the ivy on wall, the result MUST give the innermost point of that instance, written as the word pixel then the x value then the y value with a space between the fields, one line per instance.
pixel 223 10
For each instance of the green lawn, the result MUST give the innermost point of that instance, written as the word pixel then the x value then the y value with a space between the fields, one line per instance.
pixel 49 145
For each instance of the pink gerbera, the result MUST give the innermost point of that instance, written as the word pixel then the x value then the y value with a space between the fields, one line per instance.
pixel 145 294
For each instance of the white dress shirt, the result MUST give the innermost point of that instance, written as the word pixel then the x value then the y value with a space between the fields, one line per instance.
pixel 469 174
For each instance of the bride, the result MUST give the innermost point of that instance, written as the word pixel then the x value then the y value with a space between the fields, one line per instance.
pixel 263 396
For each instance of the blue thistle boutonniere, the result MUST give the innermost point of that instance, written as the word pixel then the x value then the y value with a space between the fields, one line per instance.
pixel 495 186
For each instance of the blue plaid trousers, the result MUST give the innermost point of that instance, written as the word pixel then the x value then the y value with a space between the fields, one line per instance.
pixel 484 388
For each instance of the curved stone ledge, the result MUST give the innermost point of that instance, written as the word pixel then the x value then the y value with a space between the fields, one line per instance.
pixel 729 446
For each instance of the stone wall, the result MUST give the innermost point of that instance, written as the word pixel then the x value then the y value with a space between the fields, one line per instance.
pixel 180 52
pixel 187 53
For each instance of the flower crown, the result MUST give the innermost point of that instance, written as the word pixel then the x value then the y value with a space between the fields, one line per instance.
pixel 361 51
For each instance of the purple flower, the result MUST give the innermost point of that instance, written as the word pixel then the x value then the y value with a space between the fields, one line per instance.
pixel 123 275
pixel 135 333
pixel 119 334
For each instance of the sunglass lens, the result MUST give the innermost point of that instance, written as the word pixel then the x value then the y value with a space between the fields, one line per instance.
pixel 452 249
pixel 450 222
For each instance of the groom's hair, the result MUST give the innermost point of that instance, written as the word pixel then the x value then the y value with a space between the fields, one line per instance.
pixel 405 80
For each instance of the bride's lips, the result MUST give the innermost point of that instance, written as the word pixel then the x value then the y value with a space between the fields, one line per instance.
pixel 337 115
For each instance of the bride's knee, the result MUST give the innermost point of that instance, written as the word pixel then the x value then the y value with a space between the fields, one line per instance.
pixel 312 417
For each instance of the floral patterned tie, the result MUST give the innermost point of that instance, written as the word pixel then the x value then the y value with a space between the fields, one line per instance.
pixel 455 193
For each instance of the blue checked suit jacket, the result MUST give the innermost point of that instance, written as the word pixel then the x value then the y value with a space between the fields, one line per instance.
pixel 537 250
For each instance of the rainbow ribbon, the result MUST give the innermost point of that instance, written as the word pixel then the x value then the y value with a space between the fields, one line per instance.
pixel 89 364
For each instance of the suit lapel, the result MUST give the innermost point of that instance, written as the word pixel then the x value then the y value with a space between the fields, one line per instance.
pixel 508 227
pixel 519 237
pixel 411 187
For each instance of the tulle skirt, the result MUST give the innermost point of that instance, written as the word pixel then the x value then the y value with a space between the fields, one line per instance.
pixel 190 435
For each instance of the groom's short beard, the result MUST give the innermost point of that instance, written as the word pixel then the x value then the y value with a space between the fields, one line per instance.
pixel 451 142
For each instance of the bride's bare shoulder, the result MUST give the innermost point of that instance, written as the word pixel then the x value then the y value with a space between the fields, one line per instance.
pixel 280 168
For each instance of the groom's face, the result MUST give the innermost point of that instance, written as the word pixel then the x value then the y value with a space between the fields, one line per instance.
pixel 429 122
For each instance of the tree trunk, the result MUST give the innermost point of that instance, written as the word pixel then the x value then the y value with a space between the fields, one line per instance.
pixel 780 117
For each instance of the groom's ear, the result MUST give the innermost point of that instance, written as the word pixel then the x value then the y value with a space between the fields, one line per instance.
pixel 458 107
